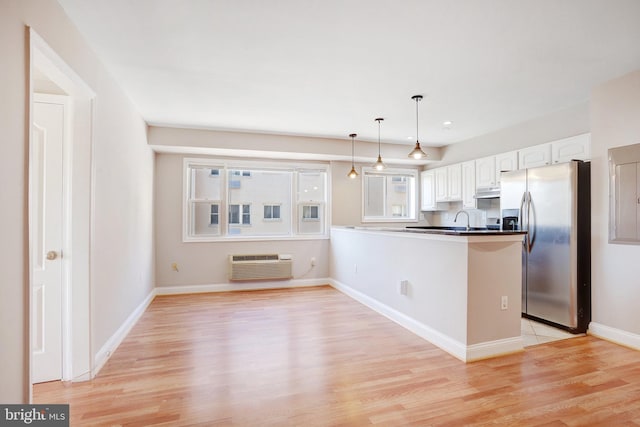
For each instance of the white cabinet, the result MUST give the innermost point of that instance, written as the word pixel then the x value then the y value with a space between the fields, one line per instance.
pixel 448 183
pixel 428 190
pixel 454 182
pixel 486 172
pixel 532 157
pixel 505 162
pixel 469 185
pixel 575 148
pixel 442 188
pixel 561 151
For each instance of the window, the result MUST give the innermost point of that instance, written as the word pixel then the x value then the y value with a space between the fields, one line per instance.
pixel 271 212
pixel 310 213
pixel 214 217
pixel 291 200
pixel 389 195
pixel 240 214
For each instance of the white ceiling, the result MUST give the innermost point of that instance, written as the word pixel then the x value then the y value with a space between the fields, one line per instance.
pixel 329 67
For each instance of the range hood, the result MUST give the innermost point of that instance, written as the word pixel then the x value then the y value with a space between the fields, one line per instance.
pixel 487 193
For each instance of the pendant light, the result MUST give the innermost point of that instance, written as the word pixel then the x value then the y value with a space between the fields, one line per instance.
pixel 379 165
pixel 353 174
pixel 417 152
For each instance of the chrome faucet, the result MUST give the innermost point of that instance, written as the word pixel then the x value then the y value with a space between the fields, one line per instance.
pixel 464 212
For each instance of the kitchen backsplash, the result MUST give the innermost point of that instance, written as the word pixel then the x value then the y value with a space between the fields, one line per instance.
pixel 487 212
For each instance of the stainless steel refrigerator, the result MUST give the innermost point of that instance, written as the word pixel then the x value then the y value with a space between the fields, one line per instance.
pixel 552 203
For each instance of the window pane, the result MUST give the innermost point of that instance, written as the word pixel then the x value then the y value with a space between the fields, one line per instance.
pixel 205 185
pixel 201 225
pixel 389 196
pixel 267 188
pixel 374 195
pixel 311 186
pixel 311 219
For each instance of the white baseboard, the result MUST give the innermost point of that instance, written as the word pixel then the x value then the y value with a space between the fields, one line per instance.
pixel 618 336
pixel 112 343
pixel 240 286
pixel 455 348
pixel 489 349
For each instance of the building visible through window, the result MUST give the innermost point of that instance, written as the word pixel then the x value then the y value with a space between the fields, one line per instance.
pixel 271 212
pixel 240 214
pixel 310 212
pixel 214 216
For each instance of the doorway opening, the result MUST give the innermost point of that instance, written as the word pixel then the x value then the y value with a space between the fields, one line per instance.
pixel 60 108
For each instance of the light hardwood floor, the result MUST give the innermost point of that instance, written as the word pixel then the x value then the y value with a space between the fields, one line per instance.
pixel 315 357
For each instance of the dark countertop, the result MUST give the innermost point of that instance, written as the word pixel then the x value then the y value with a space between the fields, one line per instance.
pixel 459 231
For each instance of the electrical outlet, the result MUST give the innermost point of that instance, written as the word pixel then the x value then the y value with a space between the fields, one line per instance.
pixel 504 302
pixel 313 261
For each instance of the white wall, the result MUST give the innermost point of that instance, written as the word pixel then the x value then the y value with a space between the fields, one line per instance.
pixel 558 125
pixel 205 263
pixel 615 122
pixel 122 258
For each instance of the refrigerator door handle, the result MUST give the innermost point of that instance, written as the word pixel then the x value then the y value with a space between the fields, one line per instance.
pixel 531 221
pixel 521 221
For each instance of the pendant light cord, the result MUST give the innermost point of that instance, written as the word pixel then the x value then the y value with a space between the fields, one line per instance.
pixel 417 101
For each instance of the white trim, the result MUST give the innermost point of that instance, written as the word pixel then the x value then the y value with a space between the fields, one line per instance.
pixel 446 343
pixel 242 286
pixel 457 349
pixel 495 348
pixel 618 336
pixel 116 339
pixel 76 335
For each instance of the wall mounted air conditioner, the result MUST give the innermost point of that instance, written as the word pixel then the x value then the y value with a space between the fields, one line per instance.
pixel 260 267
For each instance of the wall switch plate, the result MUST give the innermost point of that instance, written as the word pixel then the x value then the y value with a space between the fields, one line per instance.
pixel 404 287
pixel 504 302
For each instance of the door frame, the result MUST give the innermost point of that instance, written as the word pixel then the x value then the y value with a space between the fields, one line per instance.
pixel 77 208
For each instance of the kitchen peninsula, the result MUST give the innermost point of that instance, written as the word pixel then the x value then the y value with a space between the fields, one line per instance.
pixel 458 289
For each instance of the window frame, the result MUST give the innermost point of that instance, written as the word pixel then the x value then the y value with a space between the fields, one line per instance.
pixel 411 189
pixel 246 168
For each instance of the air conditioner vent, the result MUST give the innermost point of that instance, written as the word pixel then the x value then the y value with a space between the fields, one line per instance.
pixel 259 267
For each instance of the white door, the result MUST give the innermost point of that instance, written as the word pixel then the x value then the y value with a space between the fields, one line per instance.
pixel 46 237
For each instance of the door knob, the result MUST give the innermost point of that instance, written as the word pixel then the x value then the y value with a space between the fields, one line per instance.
pixel 51 255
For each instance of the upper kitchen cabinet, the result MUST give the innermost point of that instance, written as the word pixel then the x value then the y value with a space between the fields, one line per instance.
pixel 506 162
pixel 442 189
pixel 561 151
pixel 448 183
pixel 532 157
pixel 486 172
pixel 428 190
pixel 454 182
pixel 469 185
pixel 575 148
